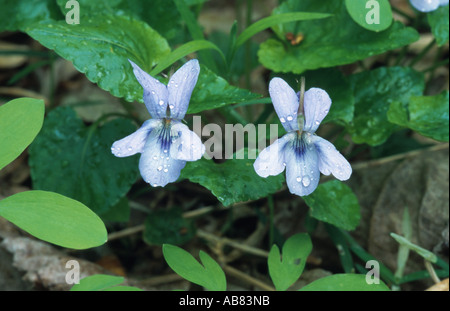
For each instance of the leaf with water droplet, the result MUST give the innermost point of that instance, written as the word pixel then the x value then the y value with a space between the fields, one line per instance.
pixel 81 165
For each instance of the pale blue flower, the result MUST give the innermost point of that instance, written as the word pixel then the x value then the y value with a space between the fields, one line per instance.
pixel 300 151
pixel 428 5
pixel 164 141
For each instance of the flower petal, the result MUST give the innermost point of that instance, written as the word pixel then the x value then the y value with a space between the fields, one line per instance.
pixel 285 101
pixel 156 165
pixel 188 146
pixel 425 5
pixel 302 169
pixel 316 106
pixel 270 161
pixel 134 143
pixel 331 161
pixel 155 93
pixel 180 87
pixel 443 2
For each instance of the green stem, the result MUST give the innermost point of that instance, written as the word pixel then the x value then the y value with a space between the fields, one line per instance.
pixel 271 220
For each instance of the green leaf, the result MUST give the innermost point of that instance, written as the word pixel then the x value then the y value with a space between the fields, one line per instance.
pixel 168 226
pixel 54 218
pixel 233 181
pixel 427 115
pixel 335 203
pixel 334 41
pixel 285 269
pixel 212 91
pixel 344 282
pixel 207 274
pixel 161 15
pixel 20 121
pixel 100 47
pixel 372 15
pixel 102 282
pixel 439 24
pixel 19 14
pixel 419 250
pixel 374 91
pixel 69 158
pixel 273 20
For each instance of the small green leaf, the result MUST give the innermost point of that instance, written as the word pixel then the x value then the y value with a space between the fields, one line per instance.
pixel 285 269
pixel 335 203
pixel 233 181
pixel 54 218
pixel 374 15
pixel 439 23
pixel 374 91
pixel 419 250
pixel 207 274
pixel 100 48
pixel 427 115
pixel 91 174
pixel 212 91
pixel 167 226
pixel 344 282
pixel 20 121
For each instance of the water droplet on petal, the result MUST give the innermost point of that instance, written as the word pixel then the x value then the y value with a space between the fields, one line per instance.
pixel 306 181
pixel 161 102
pixel 165 151
pixel 155 157
pixel 171 106
pixel 130 148
pixel 299 179
pixel 282 120
pixel 290 118
pixel 155 185
pixel 153 92
pixel 160 168
pixel 317 122
pixel 166 170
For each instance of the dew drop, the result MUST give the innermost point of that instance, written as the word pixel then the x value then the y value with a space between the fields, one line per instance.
pixel 282 120
pixel 160 168
pixel 166 170
pixel 306 181
pixel 317 122
pixel 290 118
pixel 171 106
pixel 155 157
pixel 161 102
pixel 155 185
pixel 130 148
pixel 299 179
pixel 153 92
pixel 165 151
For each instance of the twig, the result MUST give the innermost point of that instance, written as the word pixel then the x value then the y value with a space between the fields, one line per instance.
pixel 247 278
pixel 431 271
pixel 125 232
pixel 362 165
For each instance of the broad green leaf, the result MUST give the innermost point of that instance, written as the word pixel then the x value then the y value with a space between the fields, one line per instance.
pixel 427 115
pixel 374 91
pixel 439 24
pixel 102 282
pixel 207 274
pixel 344 282
pixel 54 218
pixel 286 268
pixel 335 203
pixel 336 85
pixel 212 91
pixel 419 250
pixel 329 42
pixel 20 121
pixel 69 158
pixel 161 15
pixel 233 181
pixel 100 48
pixel 19 14
pixel 167 226
pixel 374 15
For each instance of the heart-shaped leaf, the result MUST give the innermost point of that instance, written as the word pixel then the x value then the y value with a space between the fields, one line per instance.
pixel 207 274
pixel 74 160
pixel 286 268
